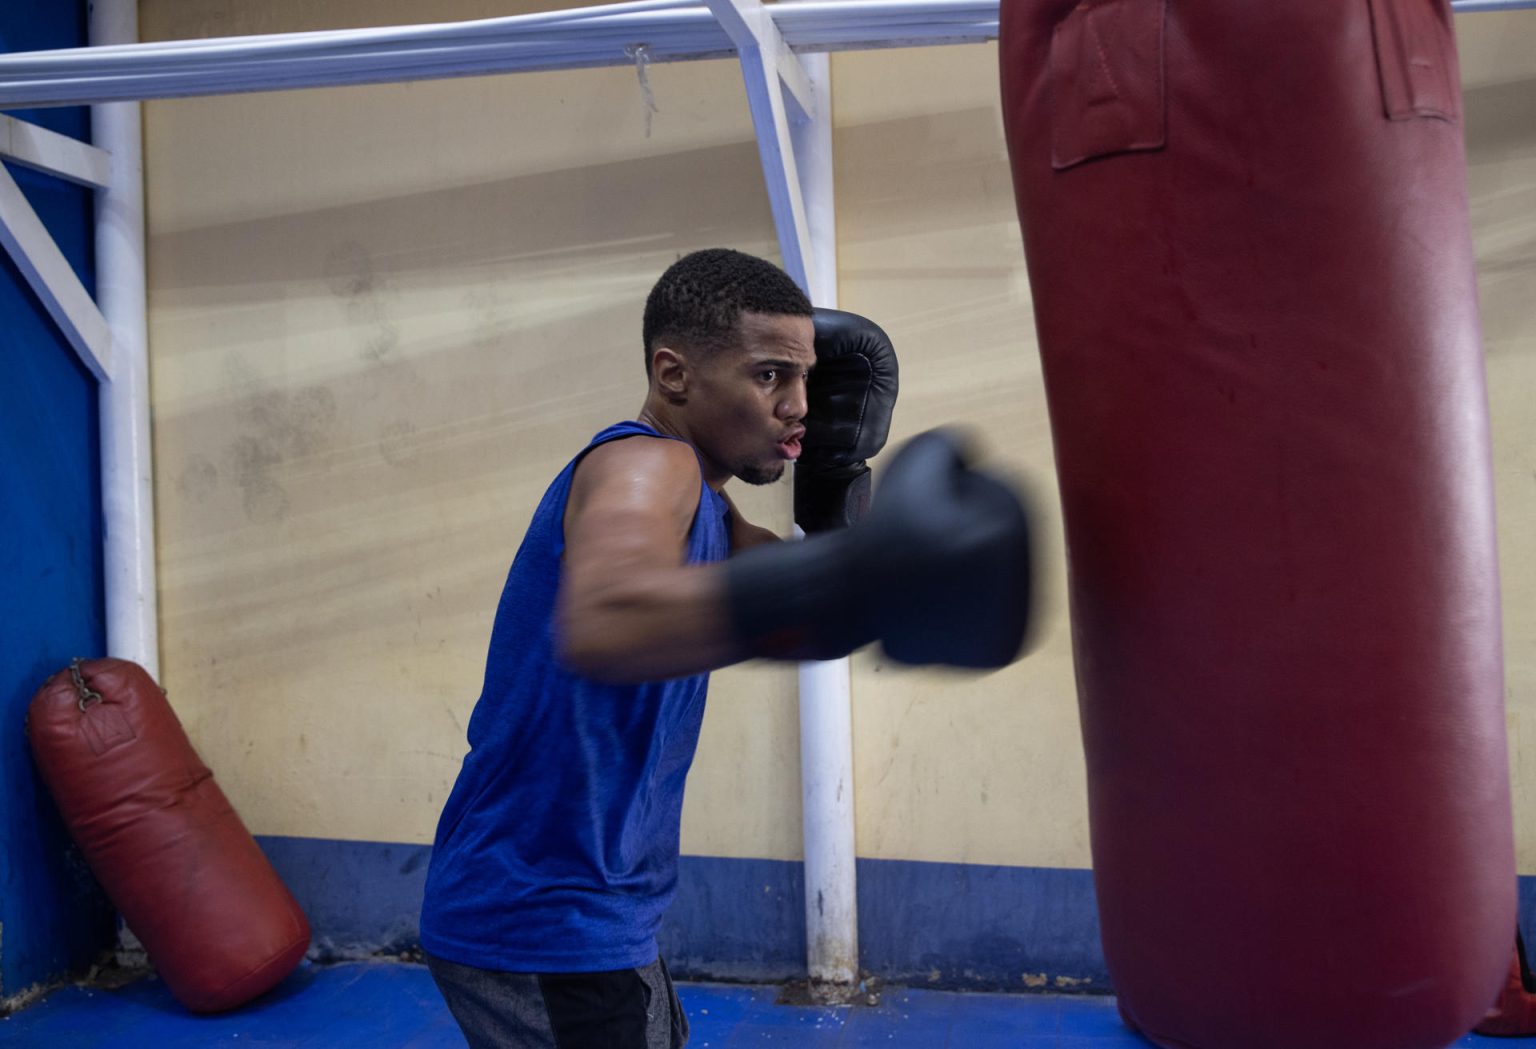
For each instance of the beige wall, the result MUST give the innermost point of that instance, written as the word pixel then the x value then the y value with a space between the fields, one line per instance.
pixel 947 766
pixel 382 318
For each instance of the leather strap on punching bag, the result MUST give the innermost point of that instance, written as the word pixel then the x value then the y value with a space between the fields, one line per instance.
pixel 158 833
pixel 1248 242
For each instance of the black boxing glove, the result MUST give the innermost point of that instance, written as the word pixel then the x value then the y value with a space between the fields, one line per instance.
pixel 849 398
pixel 938 571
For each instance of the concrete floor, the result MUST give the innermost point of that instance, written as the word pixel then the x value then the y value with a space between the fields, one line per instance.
pixel 392 1005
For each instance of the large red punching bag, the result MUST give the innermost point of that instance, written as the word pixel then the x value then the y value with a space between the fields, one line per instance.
pixel 158 833
pixel 1248 242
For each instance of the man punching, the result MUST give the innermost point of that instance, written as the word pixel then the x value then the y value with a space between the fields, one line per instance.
pixel 556 853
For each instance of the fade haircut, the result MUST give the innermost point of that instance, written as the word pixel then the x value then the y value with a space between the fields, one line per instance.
pixel 699 300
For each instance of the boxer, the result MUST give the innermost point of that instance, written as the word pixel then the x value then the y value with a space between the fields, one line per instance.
pixel 556 853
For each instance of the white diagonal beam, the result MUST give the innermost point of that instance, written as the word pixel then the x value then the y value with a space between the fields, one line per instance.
pixel 748 24
pixel 761 50
pixel 54 154
pixel 30 246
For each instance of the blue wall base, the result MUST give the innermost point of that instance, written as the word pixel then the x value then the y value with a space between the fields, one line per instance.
pixel 977 927
pixel 361 897
pixel 942 925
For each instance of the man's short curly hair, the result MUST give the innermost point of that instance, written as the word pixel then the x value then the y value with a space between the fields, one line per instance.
pixel 699 300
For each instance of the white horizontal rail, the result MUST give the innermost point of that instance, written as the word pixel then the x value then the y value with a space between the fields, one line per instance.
pixel 581 37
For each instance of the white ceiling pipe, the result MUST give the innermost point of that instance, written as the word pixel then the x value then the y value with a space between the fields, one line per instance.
pixel 660 16
pixel 234 77
pixel 266 78
pixel 361 45
pixel 81 63
pixel 353 41
pixel 302 67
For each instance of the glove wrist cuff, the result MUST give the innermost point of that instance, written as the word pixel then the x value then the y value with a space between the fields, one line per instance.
pixel 797 600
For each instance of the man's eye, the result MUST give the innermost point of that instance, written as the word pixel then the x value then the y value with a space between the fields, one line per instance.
pixel 768 375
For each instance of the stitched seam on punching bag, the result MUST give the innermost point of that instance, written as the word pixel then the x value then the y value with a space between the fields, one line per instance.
pixel 105 727
pixel 1106 80
pixel 276 956
pixel 1098 46
pixel 1413 59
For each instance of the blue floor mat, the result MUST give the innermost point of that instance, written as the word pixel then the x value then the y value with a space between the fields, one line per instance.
pixel 390 1004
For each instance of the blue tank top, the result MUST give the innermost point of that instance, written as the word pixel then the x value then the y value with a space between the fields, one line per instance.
pixel 557 849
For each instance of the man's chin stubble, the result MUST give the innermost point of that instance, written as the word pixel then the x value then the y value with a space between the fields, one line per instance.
pixel 760 475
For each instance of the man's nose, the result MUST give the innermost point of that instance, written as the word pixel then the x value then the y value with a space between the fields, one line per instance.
pixel 792 406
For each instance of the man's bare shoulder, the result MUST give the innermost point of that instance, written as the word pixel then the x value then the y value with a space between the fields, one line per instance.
pixel 654 470
pixel 640 455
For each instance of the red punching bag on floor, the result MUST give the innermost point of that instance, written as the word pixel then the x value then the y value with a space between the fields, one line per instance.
pixel 158 833
pixel 1248 242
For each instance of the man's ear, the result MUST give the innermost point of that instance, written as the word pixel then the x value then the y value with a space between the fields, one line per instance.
pixel 669 370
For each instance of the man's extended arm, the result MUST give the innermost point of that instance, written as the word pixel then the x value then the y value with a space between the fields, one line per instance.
pixel 939 571
pixel 629 608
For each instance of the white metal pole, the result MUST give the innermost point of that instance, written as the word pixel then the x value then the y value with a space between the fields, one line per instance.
pixel 126 473
pixel 826 712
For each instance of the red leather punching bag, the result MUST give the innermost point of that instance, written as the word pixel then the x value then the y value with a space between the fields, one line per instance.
pixel 1248 242
pixel 159 835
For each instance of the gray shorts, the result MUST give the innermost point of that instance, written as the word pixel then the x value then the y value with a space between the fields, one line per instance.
pixel 622 1009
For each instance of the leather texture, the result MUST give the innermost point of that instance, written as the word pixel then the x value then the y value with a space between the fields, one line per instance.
pixel 850 398
pixel 158 833
pixel 939 571
pixel 1247 233
pixel 948 554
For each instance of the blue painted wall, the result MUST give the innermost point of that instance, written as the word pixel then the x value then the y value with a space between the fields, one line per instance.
pixel 948 925
pixel 943 925
pixel 54 917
